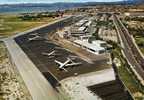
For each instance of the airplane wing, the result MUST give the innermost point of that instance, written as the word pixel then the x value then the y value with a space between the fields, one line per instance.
pixel 34 38
pixel 45 54
pixel 58 62
pixel 51 53
pixel 73 64
pixel 65 69
pixel 62 64
pixel 34 34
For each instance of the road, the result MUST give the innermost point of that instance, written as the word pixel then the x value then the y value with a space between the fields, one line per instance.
pixel 37 85
pixel 129 49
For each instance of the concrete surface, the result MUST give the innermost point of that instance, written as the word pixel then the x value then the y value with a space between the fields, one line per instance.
pixel 37 85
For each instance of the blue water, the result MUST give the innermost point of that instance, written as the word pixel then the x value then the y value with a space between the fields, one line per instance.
pixel 30 9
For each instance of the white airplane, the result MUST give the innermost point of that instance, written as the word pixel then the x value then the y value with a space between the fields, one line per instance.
pixel 34 34
pixel 51 54
pixel 67 63
pixel 35 38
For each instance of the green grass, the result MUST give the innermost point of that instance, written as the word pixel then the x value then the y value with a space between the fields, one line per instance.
pixel 140 42
pixel 2 52
pixel 12 24
pixel 139 39
pixel 137 33
pixel 2 57
pixel 128 77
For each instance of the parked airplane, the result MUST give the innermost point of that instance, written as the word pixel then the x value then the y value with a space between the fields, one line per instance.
pixel 67 63
pixel 51 54
pixel 34 34
pixel 35 38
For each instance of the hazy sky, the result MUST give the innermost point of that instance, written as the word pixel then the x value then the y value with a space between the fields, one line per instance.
pixel 52 1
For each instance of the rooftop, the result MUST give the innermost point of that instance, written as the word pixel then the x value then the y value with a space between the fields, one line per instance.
pixel 76 87
pixel 82 28
pixel 88 23
pixel 98 42
pixel 81 22
pixel 89 45
pixel 111 90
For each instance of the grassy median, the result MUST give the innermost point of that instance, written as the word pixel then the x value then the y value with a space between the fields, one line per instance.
pixel 140 42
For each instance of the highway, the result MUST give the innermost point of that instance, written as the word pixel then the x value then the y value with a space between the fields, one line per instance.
pixel 132 54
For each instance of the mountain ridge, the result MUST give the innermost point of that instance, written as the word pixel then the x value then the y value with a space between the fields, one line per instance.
pixel 79 3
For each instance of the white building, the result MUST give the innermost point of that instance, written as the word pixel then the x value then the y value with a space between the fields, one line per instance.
pixel 82 28
pixel 100 43
pixel 88 23
pixel 94 47
pixel 81 22
pixel 78 31
pixel 85 37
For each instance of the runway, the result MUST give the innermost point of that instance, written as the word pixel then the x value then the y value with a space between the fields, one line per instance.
pixel 37 85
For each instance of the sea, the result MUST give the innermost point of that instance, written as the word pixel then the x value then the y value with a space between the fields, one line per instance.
pixel 31 8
